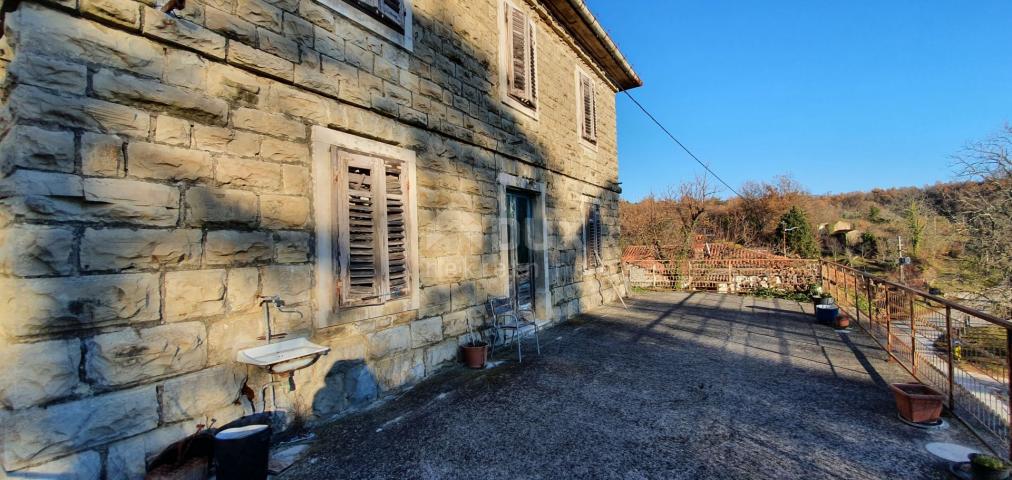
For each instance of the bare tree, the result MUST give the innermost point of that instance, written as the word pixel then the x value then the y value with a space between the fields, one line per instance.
pixel 986 213
pixel 650 221
pixel 762 204
pixel 693 199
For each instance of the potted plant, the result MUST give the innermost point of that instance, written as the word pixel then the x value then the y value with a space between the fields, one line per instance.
pixel 818 296
pixel 987 467
pixel 476 350
pixel 917 403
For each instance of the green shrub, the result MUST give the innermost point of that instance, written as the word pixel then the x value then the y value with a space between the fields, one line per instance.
pixel 767 292
pixel 989 462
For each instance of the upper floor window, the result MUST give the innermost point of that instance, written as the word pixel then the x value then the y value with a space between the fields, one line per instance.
pixel 389 19
pixel 519 58
pixel 586 107
pixel 391 12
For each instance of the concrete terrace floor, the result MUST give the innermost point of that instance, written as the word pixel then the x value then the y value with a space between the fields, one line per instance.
pixel 681 385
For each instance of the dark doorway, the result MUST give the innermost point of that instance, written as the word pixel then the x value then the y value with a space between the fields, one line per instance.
pixel 520 214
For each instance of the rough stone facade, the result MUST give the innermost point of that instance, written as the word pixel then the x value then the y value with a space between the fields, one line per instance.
pixel 157 179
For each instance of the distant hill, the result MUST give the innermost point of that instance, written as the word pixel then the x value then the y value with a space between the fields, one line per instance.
pixel 925 217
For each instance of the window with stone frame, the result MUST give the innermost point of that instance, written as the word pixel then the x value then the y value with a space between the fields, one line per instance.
pixel 520 55
pixel 391 20
pixel 374 218
pixel 592 237
pixel 587 108
pixel 392 13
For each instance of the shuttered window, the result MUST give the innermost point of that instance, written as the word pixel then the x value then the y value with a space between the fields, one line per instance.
pixel 592 237
pixel 373 261
pixel 390 12
pixel 393 11
pixel 588 108
pixel 522 64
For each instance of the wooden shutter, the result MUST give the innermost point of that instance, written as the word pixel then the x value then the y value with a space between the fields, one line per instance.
pixel 393 10
pixel 532 63
pixel 373 218
pixel 396 218
pixel 592 234
pixel 519 30
pixel 589 108
pixel 358 247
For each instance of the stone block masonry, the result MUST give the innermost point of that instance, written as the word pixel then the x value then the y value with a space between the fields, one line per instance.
pixel 156 178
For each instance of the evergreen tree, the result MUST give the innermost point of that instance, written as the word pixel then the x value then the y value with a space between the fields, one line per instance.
pixel 869 245
pixel 916 224
pixel 795 230
pixel 875 214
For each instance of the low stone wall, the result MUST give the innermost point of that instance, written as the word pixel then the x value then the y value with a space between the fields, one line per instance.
pixel 157 180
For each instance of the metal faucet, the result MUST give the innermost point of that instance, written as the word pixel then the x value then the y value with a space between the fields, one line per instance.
pixel 278 304
pixel 266 303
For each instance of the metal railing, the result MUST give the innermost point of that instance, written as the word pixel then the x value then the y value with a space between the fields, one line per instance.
pixel 962 352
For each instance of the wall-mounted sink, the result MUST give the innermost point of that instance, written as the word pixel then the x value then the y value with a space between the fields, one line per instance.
pixel 283 357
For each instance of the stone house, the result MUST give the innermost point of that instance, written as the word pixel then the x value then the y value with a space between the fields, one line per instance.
pixel 382 166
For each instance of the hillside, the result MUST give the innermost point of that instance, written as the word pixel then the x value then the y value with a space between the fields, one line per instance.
pixel 862 229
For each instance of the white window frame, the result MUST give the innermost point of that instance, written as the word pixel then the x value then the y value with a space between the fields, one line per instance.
pixel 578 78
pixel 354 14
pixel 505 62
pixel 588 204
pixel 325 209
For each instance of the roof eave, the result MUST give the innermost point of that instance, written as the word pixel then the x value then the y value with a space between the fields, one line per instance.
pixel 589 34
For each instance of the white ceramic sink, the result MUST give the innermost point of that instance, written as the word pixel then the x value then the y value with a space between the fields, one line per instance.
pixel 283 356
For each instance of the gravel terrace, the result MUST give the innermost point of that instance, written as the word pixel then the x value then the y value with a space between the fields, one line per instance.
pixel 681 385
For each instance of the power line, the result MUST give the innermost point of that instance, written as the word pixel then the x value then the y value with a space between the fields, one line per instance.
pixel 694 157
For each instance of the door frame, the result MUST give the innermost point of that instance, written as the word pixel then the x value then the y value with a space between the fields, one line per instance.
pixel 539 233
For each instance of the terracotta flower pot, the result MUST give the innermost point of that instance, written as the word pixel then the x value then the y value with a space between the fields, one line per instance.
pixel 841 322
pixel 475 355
pixel 916 402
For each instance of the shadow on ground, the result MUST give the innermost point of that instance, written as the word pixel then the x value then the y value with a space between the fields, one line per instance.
pixel 692 386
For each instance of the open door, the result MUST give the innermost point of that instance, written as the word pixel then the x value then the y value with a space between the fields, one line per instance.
pixel 520 214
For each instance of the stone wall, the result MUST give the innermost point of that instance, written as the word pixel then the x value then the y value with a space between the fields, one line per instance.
pixel 157 179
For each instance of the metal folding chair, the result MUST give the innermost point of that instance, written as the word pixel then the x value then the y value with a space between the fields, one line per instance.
pixel 507 317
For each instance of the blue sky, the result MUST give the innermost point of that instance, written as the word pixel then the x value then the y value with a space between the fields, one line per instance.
pixel 843 96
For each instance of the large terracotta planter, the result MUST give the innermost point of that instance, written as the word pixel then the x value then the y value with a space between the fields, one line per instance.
pixel 475 355
pixel 916 402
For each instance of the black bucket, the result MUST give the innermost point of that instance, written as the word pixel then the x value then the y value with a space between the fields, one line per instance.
pixel 826 313
pixel 242 450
